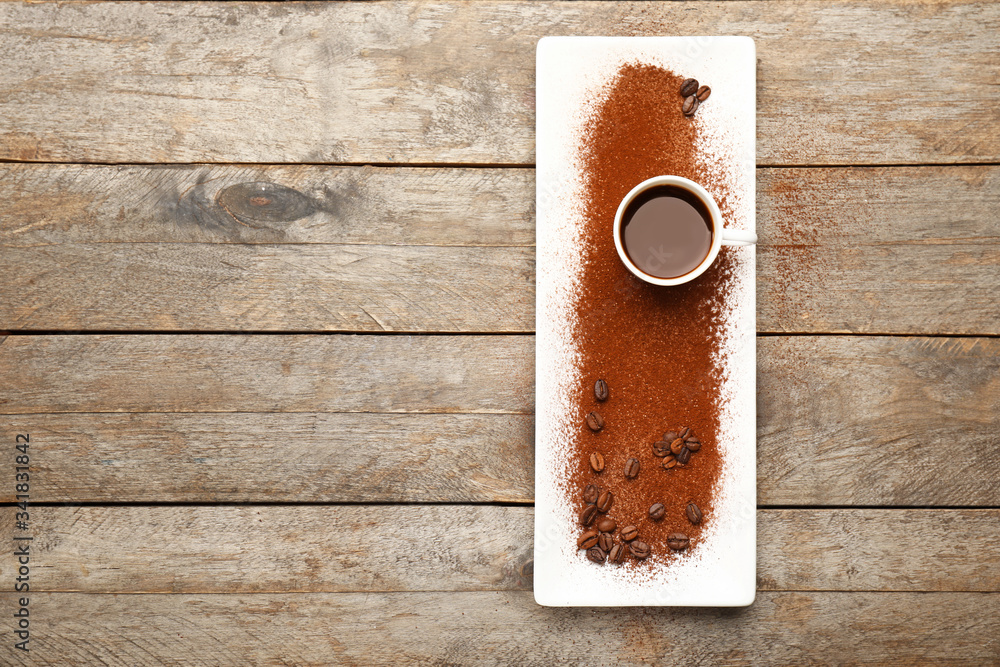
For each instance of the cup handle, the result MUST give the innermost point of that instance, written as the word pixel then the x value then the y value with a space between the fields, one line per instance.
pixel 738 237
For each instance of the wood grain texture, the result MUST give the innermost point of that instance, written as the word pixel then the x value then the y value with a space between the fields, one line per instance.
pixel 87 204
pixel 841 420
pixel 504 629
pixel 865 421
pixel 864 250
pixel 287 373
pixel 352 548
pixel 843 82
pixel 271 288
pixel 874 250
pixel 297 457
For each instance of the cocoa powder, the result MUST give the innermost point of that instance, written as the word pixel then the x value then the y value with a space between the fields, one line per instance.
pixel 657 347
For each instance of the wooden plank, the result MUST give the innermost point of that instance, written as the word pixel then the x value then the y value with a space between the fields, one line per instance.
pixel 878 550
pixel 878 206
pixel 126 248
pixel 270 288
pixel 356 548
pixel 842 420
pixel 265 373
pixel 842 82
pixel 298 457
pixel 274 204
pixel 503 629
pixel 267 548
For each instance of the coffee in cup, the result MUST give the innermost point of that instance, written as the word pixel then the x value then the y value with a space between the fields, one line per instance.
pixel 668 230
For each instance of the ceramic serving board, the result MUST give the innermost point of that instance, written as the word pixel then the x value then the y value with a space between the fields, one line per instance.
pixel 720 571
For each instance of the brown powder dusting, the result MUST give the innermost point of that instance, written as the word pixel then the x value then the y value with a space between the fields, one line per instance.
pixel 655 346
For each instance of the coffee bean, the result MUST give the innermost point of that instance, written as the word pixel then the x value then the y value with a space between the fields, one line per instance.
pixel 677 541
pixel 690 105
pixel 632 468
pixel 694 444
pixel 689 87
pixel 605 541
pixel 629 533
pixel 588 514
pixel 657 512
pixel 684 456
pixel 587 539
pixel 694 514
pixel 661 448
pixel 606 524
pixel 595 421
pixel 604 501
pixel 685 432
pixel 601 390
pixel 590 494
pixel 670 436
pixel 597 461
pixel 639 549
pixel 669 462
pixel 596 555
pixel 676 445
pixel 617 553
pixel 703 93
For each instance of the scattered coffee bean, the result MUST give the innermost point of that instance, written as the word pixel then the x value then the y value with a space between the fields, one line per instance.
pixel 629 533
pixel 689 87
pixel 669 462
pixel 657 512
pixel 632 468
pixel 687 435
pixel 639 549
pixel 590 494
pixel 670 436
pixel 684 456
pixel 692 443
pixel 661 448
pixel 597 461
pixel 676 446
pixel 587 539
pixel 617 553
pixel 605 541
pixel 601 390
pixel 690 105
pixel 694 514
pixel 604 501
pixel 596 555
pixel 677 541
pixel 685 432
pixel 606 524
pixel 703 93
pixel 595 421
pixel 588 514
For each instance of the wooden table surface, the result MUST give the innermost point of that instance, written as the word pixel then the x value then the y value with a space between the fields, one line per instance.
pixel 301 433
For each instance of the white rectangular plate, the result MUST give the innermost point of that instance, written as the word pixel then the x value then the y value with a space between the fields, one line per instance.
pixel 722 570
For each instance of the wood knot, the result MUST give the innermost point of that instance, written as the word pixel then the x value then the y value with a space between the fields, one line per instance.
pixel 261 204
pixel 527 571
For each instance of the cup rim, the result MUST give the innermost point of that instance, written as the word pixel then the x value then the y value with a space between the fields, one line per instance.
pixel 714 213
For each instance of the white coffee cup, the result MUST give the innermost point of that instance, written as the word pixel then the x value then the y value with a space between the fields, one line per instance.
pixel 720 235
